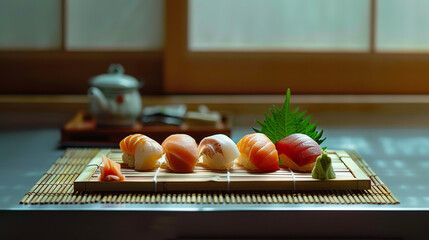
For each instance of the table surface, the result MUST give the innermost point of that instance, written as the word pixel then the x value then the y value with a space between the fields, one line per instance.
pixel 395 144
pixel 398 155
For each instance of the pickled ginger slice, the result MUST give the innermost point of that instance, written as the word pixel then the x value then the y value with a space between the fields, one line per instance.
pixel 110 170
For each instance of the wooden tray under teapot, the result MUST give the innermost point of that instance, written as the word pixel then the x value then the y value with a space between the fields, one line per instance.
pixel 82 131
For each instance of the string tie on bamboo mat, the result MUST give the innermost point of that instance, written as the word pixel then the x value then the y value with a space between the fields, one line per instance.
pixel 293 179
pixel 228 178
pixel 155 179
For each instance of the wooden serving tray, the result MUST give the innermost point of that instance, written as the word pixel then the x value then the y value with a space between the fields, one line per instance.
pixel 82 130
pixel 349 176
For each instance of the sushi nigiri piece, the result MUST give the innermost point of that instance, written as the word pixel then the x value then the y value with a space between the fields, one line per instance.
pixel 141 152
pixel 218 151
pixel 181 153
pixel 258 153
pixel 110 170
pixel 298 152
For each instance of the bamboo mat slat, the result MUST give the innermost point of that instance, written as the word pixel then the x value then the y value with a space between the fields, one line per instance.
pixel 56 187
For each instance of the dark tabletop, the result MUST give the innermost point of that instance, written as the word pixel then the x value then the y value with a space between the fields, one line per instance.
pixel 399 155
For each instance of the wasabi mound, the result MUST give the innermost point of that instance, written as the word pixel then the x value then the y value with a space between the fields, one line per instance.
pixel 323 167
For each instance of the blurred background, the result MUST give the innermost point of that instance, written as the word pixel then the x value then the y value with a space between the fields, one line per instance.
pixel 217 46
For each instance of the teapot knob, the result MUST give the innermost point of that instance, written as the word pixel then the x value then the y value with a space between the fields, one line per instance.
pixel 116 68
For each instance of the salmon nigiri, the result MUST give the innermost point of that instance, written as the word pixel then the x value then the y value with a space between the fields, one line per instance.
pixel 181 153
pixel 141 152
pixel 298 152
pixel 258 153
pixel 110 170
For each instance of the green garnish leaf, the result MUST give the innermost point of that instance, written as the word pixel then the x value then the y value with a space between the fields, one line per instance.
pixel 284 122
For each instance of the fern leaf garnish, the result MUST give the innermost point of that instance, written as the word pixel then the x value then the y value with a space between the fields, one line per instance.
pixel 283 122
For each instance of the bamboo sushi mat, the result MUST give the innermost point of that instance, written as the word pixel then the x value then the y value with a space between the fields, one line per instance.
pixel 56 187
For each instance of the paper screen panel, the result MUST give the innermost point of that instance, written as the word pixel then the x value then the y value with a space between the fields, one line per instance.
pixel 30 24
pixel 402 25
pixel 279 24
pixel 115 25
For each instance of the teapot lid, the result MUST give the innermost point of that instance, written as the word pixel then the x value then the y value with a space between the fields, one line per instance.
pixel 115 78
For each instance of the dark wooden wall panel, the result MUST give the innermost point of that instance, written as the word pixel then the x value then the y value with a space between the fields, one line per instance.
pixel 33 72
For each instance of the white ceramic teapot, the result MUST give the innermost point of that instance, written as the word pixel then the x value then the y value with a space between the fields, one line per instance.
pixel 114 98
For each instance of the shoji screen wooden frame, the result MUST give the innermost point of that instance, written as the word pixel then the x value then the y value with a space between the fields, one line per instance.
pixel 176 70
pixel 24 71
pixel 274 71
